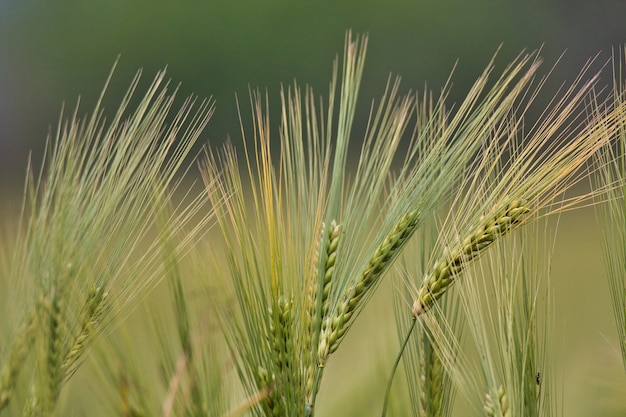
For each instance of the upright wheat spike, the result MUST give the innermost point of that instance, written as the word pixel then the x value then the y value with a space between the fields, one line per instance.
pixel 450 265
pixel 337 325
pixel 317 320
pixel 330 257
pixel 283 350
pixel 329 266
pixel 282 332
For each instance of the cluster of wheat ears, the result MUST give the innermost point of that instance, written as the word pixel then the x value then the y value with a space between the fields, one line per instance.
pixel 242 290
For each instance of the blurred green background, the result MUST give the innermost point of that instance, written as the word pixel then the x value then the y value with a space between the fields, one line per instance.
pixel 52 52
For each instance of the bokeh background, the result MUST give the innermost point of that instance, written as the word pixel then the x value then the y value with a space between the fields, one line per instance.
pixel 53 52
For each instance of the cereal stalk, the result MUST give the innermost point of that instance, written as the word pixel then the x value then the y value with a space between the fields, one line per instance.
pixel 395 366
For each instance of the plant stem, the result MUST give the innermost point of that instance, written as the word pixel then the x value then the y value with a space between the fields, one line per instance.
pixel 316 386
pixel 395 365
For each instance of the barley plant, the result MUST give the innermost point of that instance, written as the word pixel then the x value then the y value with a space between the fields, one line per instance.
pixel 520 177
pixel 502 368
pixel 116 279
pixel 307 244
pixel 89 246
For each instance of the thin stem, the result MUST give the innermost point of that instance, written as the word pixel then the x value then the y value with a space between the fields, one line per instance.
pixel 316 386
pixel 395 365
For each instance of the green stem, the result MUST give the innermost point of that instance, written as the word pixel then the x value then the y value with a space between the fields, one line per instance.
pixel 316 387
pixel 395 365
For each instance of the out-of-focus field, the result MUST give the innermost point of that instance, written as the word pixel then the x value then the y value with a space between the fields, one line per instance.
pixel 53 52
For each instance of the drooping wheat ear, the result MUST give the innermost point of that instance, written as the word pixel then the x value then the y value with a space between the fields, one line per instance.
pixel 450 265
pixel 338 324
pixel 499 407
pixel 317 319
pixel 22 343
pixel 95 307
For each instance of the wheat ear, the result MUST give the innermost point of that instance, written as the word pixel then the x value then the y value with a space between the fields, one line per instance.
pixel 322 302
pixel 329 265
pixel 431 377
pixel 15 358
pixel 437 282
pixel 338 324
pixel 267 382
pixel 283 351
pixel 95 306
pixel 500 407
pixel 54 345
pixel 282 331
